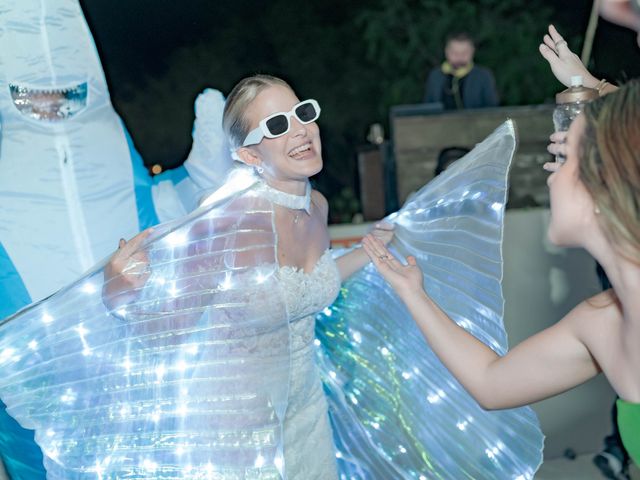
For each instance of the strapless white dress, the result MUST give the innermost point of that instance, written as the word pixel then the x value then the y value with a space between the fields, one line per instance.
pixel 309 452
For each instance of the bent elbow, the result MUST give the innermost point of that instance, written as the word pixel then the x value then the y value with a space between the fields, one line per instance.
pixel 489 405
pixel 487 401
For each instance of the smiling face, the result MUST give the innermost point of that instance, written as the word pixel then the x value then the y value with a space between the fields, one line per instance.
pixel 294 156
pixel 573 216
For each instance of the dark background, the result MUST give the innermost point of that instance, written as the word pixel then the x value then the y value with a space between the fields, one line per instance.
pixel 356 58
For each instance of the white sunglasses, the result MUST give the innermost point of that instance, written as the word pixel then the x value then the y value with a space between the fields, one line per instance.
pixel 279 123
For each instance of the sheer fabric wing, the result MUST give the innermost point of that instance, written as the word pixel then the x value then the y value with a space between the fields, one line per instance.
pixel 188 381
pixel 396 410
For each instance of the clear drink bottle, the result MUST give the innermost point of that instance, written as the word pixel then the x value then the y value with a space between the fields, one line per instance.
pixel 569 104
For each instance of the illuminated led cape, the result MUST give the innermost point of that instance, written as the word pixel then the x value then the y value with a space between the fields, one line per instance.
pixel 188 381
pixel 396 411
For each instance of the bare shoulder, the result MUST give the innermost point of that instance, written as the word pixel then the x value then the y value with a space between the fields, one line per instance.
pixel 596 317
pixel 320 202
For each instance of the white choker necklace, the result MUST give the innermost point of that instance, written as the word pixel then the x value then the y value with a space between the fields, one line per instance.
pixel 288 200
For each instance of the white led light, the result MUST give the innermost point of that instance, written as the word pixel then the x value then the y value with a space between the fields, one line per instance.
pixel 175 239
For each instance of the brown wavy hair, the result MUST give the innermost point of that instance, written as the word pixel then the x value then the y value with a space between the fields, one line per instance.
pixel 234 122
pixel 610 165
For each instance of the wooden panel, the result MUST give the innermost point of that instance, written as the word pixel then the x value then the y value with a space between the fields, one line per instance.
pixel 371 173
pixel 418 140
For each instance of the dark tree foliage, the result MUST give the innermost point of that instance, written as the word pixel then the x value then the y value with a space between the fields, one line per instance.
pixel 357 58
pixel 405 39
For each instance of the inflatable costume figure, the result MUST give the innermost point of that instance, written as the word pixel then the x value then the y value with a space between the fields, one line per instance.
pixel 71 181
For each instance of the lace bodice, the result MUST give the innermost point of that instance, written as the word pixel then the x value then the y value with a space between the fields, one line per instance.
pixel 308 293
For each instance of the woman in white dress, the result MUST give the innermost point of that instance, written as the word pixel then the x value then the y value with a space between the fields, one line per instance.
pixel 274 132
pixel 286 154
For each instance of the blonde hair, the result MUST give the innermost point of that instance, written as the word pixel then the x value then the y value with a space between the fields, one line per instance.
pixel 235 124
pixel 610 165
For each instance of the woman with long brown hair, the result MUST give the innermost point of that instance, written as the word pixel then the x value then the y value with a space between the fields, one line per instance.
pixel 595 204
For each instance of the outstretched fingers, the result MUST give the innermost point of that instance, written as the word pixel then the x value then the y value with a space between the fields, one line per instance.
pixel 380 255
pixel 554 45
pixel 127 248
pixel 550 44
pixel 375 249
pixel 406 279
pixel 129 259
pixel 555 35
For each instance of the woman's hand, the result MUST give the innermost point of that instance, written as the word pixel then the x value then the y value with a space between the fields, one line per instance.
pixel 558 148
pixel 405 279
pixel 383 231
pixel 126 271
pixel 351 262
pixel 563 62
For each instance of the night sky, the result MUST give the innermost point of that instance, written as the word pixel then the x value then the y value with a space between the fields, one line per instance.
pixel 136 37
